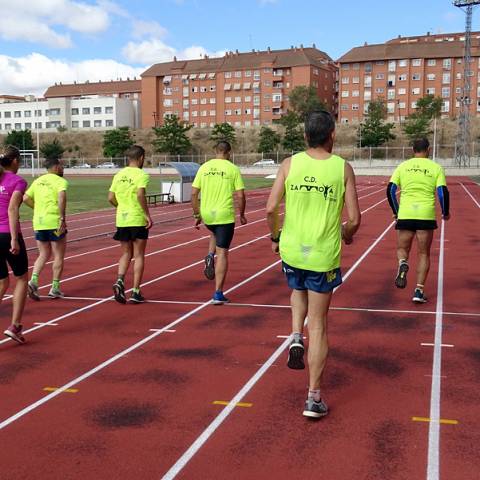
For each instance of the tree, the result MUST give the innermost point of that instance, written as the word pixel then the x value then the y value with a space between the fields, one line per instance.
pixel 52 149
pixel 172 136
pixel 304 100
pixel 116 142
pixel 269 140
pixel 22 139
pixel 293 139
pixel 223 131
pixel 417 125
pixel 374 131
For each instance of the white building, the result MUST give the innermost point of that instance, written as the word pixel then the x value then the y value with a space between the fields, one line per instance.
pixel 90 113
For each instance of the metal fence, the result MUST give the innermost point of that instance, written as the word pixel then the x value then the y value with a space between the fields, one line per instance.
pixel 366 156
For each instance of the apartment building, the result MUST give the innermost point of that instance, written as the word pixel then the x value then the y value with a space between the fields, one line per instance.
pixel 405 69
pixel 126 89
pixel 243 89
pixel 97 113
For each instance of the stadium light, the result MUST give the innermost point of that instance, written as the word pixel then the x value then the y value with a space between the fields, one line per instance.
pixel 466 3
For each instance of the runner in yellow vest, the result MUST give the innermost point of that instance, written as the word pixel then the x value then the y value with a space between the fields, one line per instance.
pixel 218 181
pixel 316 186
pixel 418 178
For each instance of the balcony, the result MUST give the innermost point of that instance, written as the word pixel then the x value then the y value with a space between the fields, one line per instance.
pixel 278 85
pixel 278 72
pixel 277 111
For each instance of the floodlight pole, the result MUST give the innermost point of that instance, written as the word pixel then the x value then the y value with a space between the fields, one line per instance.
pixel 464 144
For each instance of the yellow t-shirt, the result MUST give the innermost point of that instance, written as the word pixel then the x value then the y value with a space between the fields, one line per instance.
pixel 418 179
pixel 44 192
pixel 217 179
pixel 125 186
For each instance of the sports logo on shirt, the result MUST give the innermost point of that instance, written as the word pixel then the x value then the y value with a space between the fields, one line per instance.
pixel 3 190
pixel 305 249
pixel 417 169
pixel 311 185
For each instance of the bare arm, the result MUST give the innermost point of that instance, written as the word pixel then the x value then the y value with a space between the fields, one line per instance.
pixel 241 202
pixel 13 221
pixel 142 199
pixel 28 201
pixel 273 203
pixel 112 199
pixel 195 202
pixel 62 206
pixel 351 203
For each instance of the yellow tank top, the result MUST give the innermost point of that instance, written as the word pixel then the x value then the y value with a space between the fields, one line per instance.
pixel 314 198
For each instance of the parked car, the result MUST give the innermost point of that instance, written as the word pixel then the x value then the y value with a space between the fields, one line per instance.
pixel 107 165
pixel 265 161
pixel 82 165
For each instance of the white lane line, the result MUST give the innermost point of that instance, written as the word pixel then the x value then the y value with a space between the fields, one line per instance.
pixel 470 195
pixel 90 272
pixel 46 324
pixel 433 466
pixel 446 345
pixel 107 299
pixel 161 330
pixel 125 352
pixel 208 432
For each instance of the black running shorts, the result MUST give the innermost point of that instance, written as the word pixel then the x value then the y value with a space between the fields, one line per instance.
pixel 223 234
pixel 129 234
pixel 414 225
pixel 18 263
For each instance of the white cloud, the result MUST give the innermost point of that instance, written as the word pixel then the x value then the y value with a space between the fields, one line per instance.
pixel 37 21
pixel 155 50
pixel 153 29
pixel 34 73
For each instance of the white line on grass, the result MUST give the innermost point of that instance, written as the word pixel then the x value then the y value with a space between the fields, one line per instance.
pixel 433 466
pixel 208 432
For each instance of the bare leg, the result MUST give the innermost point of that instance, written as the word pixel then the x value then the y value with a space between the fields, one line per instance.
pixel 221 268
pixel 58 249
pixel 44 252
pixel 299 303
pixel 404 243
pixel 212 243
pixel 4 283
pixel 124 262
pixel 139 258
pixel 19 298
pixel 318 304
pixel 424 243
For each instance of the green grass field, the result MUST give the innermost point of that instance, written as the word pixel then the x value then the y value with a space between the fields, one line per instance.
pixel 90 193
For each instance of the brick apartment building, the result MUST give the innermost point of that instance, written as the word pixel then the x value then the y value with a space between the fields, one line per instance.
pixel 403 70
pixel 243 89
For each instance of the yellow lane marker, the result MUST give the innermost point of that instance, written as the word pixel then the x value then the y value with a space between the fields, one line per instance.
pixel 54 389
pixel 444 421
pixel 221 402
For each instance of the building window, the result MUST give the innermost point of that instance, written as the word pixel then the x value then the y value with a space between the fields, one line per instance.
pixel 256 74
pixel 17 114
pixel 368 67
pixel 228 74
pixel 367 95
pixel 445 92
pixel 38 113
pixel 213 88
pixel 431 76
pixel 356 66
pixel 212 113
pixel 247 99
pixel 203 89
pixel 344 107
pixel 248 73
pixel 18 126
pixel 97 123
pixel 86 124
pixel 168 102
pixel 238 74
pixel 416 76
pixel 446 78
pixel 367 81
pixel 28 126
pixel 203 101
pixel 417 62
pixel 391 81
pixel 403 63
pixel 379 90
pixel 391 107
pixel 380 76
pixel 238 99
pixel 109 123
pixel 27 113
pixel 355 107
pixel 186 91
pixel 392 65
pixel 431 62
pixel 228 113
pixel 356 80
pixel 8 126
pixel 430 91
pixel 7 115
pixel 391 94
pixel 54 111
pixel 194 89
pixel 345 93
pixel 402 78
pixel 228 99
pixel 75 123
pixel 108 109
pixel 415 91
pixel 355 93
pixel 195 113
pixel 194 101
pixel 97 110
pixel 203 113
pixel 213 100
pixel 38 125
pixel 446 106
pixel 75 111
pixel 86 111
pixel 447 63
pixel 346 66
pixel 402 91
pixel 345 80
pixel 267 70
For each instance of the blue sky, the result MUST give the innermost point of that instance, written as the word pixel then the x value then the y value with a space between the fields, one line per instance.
pixel 45 41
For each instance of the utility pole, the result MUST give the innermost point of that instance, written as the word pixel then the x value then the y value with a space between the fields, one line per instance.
pixel 463 142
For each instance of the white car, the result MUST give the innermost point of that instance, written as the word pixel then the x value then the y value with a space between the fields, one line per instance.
pixel 83 165
pixel 107 165
pixel 266 161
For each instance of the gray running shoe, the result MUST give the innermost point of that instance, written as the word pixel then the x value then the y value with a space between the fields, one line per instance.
pixel 137 297
pixel 315 409
pixel 55 293
pixel 209 270
pixel 119 292
pixel 401 280
pixel 33 291
pixel 295 355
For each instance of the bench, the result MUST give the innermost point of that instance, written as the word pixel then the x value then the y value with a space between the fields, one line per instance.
pixel 154 198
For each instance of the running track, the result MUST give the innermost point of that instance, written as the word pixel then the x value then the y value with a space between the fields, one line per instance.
pixel 138 383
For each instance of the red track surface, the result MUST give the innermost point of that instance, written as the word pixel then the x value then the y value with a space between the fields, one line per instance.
pixel 136 416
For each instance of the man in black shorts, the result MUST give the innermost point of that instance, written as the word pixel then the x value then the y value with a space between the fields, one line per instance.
pixel 127 193
pixel 218 180
pixel 418 178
